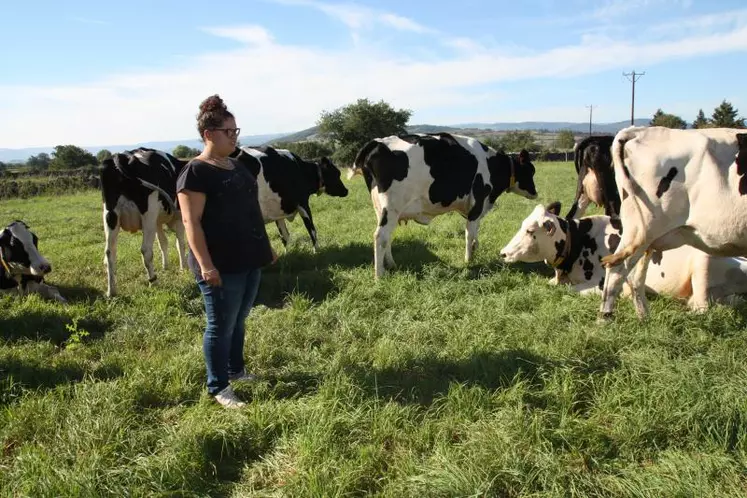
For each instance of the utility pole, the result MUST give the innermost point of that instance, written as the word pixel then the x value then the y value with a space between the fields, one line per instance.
pixel 632 78
pixel 591 109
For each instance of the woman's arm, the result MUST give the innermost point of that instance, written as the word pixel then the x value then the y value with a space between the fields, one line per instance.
pixel 192 205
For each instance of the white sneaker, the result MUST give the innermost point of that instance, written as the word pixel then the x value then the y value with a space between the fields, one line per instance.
pixel 228 398
pixel 243 377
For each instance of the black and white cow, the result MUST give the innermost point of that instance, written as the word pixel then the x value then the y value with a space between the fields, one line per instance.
pixel 420 176
pixel 596 177
pixel 138 188
pixel 22 267
pixel 678 187
pixel 578 246
pixel 285 183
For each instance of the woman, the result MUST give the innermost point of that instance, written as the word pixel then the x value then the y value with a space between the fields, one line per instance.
pixel 228 245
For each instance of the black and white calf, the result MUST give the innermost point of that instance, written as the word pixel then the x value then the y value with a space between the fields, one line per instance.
pixel 22 267
pixel 596 177
pixel 285 183
pixel 138 188
pixel 421 176
pixel 577 246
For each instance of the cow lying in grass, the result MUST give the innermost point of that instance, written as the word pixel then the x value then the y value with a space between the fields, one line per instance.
pixel 22 267
pixel 577 246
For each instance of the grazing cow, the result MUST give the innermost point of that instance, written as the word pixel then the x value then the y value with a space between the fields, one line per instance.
pixel 420 176
pixel 577 246
pixel 596 178
pixel 22 267
pixel 138 188
pixel 678 187
pixel 285 183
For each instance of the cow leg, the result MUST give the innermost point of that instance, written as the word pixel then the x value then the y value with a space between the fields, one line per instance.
pixel 383 241
pixel 637 283
pixel 163 243
pixel 149 234
pixel 305 212
pixel 111 231
pixel 284 233
pixel 470 235
pixel 178 227
pixel 46 291
pixel 613 283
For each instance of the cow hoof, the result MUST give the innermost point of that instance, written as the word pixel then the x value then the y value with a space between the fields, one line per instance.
pixel 153 279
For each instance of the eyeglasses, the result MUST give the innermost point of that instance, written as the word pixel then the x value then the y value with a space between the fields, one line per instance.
pixel 230 132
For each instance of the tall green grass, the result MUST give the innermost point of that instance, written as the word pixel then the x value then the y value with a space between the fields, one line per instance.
pixel 442 379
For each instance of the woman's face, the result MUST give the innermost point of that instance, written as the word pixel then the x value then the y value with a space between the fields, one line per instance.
pixel 223 138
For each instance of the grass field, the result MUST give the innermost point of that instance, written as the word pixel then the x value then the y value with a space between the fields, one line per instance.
pixel 440 380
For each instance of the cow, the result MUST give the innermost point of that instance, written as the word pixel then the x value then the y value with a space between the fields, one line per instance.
pixel 285 183
pixel 138 188
pixel 421 176
pixel 22 267
pixel 677 187
pixel 596 178
pixel 578 246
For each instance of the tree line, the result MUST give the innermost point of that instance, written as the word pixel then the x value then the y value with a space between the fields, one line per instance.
pixel 343 131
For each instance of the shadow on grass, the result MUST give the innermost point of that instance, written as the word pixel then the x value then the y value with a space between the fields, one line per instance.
pixel 49 326
pixel 310 274
pixel 79 293
pixel 422 380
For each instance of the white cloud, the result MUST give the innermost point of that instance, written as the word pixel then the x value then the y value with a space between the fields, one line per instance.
pixel 275 87
pixel 614 9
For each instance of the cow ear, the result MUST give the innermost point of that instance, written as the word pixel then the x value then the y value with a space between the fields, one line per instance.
pixel 742 140
pixel 554 208
pixel 549 227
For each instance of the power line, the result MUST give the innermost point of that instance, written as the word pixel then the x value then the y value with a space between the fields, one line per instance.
pixel 591 109
pixel 632 78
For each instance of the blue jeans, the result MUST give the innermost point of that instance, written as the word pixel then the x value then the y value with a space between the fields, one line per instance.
pixel 226 308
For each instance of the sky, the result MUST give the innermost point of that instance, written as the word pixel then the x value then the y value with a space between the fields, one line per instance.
pixel 90 72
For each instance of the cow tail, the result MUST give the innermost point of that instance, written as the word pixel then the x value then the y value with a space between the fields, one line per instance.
pixel 633 227
pixel 158 189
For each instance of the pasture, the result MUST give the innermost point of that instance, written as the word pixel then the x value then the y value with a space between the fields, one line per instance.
pixel 442 379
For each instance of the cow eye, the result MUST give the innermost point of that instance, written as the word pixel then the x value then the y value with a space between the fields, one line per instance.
pixel 530 232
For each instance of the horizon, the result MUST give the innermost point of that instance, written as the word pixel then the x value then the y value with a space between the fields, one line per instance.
pixel 287 61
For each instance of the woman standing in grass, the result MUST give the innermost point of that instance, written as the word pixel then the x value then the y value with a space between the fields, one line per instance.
pixel 228 245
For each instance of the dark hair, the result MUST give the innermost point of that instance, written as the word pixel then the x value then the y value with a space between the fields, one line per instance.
pixel 213 112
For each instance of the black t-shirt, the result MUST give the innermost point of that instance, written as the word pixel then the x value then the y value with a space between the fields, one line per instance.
pixel 232 220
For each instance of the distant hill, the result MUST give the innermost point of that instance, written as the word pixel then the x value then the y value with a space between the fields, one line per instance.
pixel 484 129
pixel 20 155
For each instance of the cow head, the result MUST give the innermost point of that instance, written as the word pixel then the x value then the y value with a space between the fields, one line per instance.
pixel 330 179
pixel 523 171
pixel 539 238
pixel 19 251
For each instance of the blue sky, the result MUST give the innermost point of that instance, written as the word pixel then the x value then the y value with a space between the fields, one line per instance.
pixel 93 73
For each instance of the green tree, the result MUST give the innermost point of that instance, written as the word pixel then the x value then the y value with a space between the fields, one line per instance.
pixel 661 118
pixel 71 156
pixel 350 127
pixel 39 161
pixel 184 152
pixel 308 149
pixel 701 121
pixel 725 116
pixel 565 140
pixel 515 140
pixel 103 154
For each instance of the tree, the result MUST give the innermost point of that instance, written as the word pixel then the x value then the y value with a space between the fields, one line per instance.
pixel 103 155
pixel 39 162
pixel 661 118
pixel 184 152
pixel 565 140
pixel 71 156
pixel 725 116
pixel 701 121
pixel 350 127
pixel 516 140
pixel 308 149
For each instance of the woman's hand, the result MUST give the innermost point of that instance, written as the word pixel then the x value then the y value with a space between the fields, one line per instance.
pixel 212 277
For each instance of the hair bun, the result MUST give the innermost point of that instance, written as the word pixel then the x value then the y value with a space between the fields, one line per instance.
pixel 213 104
